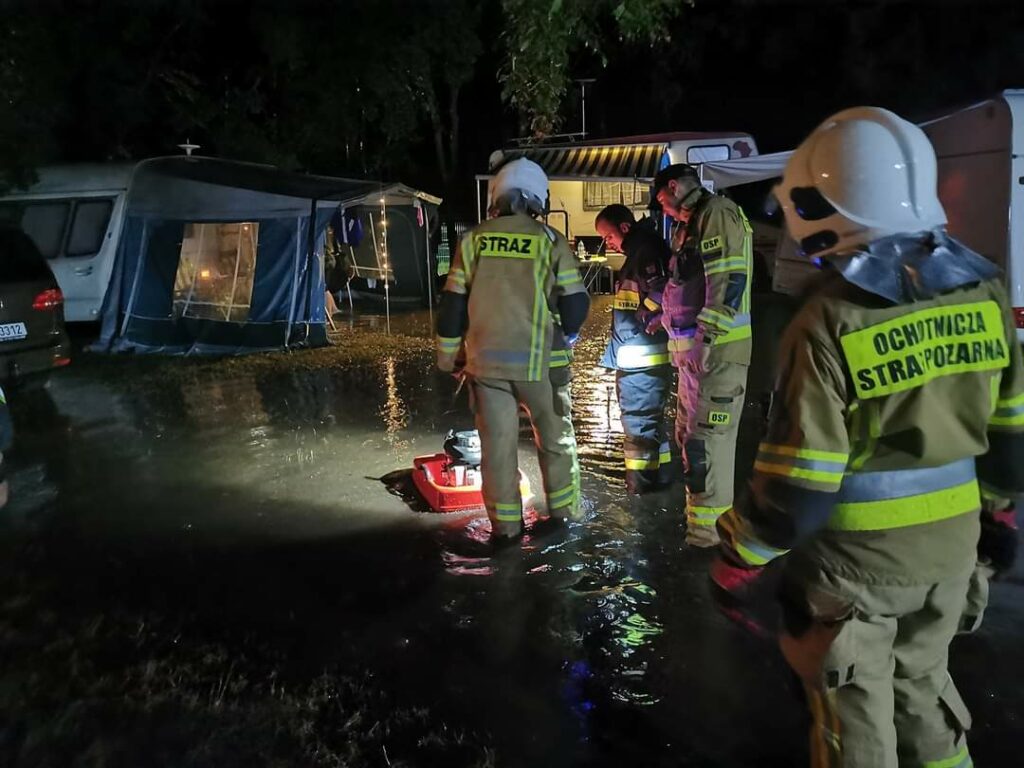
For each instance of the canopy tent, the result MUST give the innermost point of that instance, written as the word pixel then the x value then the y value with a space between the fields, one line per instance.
pixel 223 257
pixel 387 233
pixel 745 170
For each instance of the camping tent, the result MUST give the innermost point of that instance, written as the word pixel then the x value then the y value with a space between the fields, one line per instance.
pixel 218 256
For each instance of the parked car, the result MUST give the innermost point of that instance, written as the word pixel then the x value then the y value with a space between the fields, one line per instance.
pixel 32 336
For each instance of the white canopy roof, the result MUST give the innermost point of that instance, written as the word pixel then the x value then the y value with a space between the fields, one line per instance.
pixel 731 173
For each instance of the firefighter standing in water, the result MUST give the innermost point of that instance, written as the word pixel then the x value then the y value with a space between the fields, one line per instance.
pixel 513 285
pixel 638 348
pixel 900 390
pixel 706 311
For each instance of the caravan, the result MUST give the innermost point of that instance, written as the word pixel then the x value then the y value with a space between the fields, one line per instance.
pixel 587 176
pixel 981 183
pixel 74 214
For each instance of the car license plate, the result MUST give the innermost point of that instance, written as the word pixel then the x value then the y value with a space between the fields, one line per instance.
pixel 12 331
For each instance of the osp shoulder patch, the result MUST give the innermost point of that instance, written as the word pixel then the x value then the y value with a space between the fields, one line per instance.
pixel 711 244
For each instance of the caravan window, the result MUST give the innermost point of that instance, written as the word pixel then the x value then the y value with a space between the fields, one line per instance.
pixel 216 268
pixel 44 222
pixel 598 194
pixel 88 227
pixel 707 154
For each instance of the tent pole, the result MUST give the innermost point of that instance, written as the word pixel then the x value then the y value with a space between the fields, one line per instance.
pixel 195 272
pixel 234 280
pixel 135 280
pixel 295 286
pixel 383 270
pixel 430 272
pixel 384 246
pixel 311 265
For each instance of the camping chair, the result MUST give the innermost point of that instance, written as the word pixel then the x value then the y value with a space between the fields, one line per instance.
pixel 330 307
pixel 595 266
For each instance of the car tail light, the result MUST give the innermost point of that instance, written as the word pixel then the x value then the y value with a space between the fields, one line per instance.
pixel 48 299
pixel 60 362
pixel 1018 315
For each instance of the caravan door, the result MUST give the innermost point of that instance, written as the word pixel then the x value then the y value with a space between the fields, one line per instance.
pixel 981 184
pixel 77 234
pixel 73 213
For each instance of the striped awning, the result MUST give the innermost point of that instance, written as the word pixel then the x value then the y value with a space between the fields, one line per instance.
pixel 626 161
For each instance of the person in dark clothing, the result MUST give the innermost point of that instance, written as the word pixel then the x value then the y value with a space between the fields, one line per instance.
pixel 638 348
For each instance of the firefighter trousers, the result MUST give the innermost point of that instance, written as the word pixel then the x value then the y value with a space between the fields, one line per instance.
pixel 707 419
pixel 877 682
pixel 496 405
pixel 642 395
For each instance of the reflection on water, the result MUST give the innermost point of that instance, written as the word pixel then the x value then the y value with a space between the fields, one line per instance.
pixel 393 412
pixel 592 638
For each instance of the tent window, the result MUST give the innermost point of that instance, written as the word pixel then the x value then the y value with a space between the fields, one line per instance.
pixel 215 271
pixel 598 194
pixel 88 227
pixel 714 153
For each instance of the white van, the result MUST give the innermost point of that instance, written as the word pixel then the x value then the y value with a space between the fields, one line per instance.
pixel 981 183
pixel 74 215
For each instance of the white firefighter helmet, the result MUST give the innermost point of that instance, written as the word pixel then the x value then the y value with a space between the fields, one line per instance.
pixel 863 174
pixel 523 178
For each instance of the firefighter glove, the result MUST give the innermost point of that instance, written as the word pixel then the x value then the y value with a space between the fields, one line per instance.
pixel 998 543
pixel 731 581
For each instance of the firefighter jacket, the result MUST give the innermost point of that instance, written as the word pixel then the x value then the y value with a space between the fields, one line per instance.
pixel 636 306
pixel 707 295
pixel 886 417
pixel 507 288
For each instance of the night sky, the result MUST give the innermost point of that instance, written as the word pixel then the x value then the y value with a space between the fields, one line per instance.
pixel 776 69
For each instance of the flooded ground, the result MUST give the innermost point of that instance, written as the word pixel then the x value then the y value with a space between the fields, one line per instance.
pixel 220 563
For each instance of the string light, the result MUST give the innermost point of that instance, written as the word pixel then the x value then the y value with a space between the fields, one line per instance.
pixel 384 256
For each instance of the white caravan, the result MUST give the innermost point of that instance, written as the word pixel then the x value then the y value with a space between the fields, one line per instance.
pixel 587 176
pixel 74 214
pixel 981 183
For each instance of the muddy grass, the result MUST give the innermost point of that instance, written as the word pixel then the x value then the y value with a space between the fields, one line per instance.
pixel 347 349
pixel 127 688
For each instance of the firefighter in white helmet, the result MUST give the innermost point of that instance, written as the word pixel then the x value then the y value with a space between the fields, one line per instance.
pixel 896 436
pixel 513 295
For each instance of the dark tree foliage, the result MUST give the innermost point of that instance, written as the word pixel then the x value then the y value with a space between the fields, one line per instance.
pixel 423 90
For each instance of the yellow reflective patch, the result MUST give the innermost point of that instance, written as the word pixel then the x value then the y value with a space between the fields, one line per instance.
pixel 711 244
pixel 909 510
pixel 506 245
pixel 627 300
pixel 719 417
pixel 912 350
